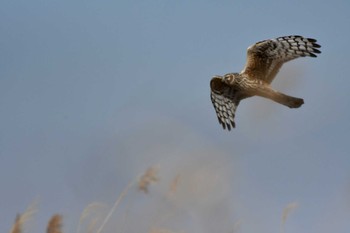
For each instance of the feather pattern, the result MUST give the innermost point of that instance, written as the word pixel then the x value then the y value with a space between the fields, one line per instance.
pixel 264 59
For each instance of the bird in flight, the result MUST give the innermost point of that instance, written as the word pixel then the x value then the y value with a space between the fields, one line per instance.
pixel 264 59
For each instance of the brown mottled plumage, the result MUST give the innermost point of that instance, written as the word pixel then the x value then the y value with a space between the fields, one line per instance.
pixel 264 59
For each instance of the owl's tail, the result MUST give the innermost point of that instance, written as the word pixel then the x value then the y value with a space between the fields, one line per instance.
pixel 289 101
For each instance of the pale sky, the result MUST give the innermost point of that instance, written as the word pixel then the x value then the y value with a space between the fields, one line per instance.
pixel 92 93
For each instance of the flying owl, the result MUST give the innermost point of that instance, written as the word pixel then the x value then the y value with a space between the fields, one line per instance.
pixel 264 59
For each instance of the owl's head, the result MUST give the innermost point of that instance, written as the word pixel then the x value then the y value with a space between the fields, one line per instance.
pixel 230 78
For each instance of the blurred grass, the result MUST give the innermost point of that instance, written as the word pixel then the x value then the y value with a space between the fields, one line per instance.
pixel 94 218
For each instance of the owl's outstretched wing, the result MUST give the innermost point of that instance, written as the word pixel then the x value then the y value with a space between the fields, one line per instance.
pixel 265 58
pixel 225 101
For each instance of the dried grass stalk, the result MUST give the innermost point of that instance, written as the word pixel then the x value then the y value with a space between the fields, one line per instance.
pixel 17 226
pixel 91 209
pixel 150 176
pixel 119 199
pixel 92 226
pixel 286 211
pixel 21 219
pixel 55 224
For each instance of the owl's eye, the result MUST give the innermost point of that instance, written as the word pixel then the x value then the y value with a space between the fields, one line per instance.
pixel 228 78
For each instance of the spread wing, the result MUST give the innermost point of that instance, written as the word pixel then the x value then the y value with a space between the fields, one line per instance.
pixel 265 58
pixel 225 101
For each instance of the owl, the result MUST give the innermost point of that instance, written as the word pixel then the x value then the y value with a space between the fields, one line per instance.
pixel 264 59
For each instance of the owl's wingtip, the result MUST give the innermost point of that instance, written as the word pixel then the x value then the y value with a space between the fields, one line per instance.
pixel 228 126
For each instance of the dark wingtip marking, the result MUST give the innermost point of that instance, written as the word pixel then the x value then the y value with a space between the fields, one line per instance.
pixel 230 125
pixel 312 55
pixel 227 125
pixel 223 124
pixel 316 51
pixel 316 45
pixel 311 40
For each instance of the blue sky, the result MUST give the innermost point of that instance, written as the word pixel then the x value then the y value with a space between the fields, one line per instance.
pixel 92 93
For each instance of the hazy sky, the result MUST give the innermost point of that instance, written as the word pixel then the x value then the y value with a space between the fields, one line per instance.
pixel 92 93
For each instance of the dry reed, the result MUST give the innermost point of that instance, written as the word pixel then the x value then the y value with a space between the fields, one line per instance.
pixel 286 211
pixel 91 209
pixel 146 179
pixel 55 224
pixel 21 219
pixel 119 199
pixel 150 176
pixel 17 226
pixel 92 226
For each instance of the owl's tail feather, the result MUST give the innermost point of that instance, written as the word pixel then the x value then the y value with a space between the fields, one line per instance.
pixel 289 101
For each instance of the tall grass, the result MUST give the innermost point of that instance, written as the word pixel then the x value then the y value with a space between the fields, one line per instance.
pixel 96 222
pixel 55 224
pixel 286 211
pixel 22 219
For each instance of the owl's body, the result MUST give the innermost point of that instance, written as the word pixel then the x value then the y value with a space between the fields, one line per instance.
pixel 264 59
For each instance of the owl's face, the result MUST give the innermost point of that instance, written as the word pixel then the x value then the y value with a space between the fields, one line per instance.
pixel 230 78
pixel 219 83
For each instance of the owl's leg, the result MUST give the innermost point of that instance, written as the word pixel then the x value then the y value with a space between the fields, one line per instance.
pixel 267 92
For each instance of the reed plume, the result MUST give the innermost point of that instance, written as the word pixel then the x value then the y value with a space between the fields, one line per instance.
pixel 55 224
pixel 17 226
pixel 286 211
pixel 21 219
pixel 150 176
pixel 91 212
